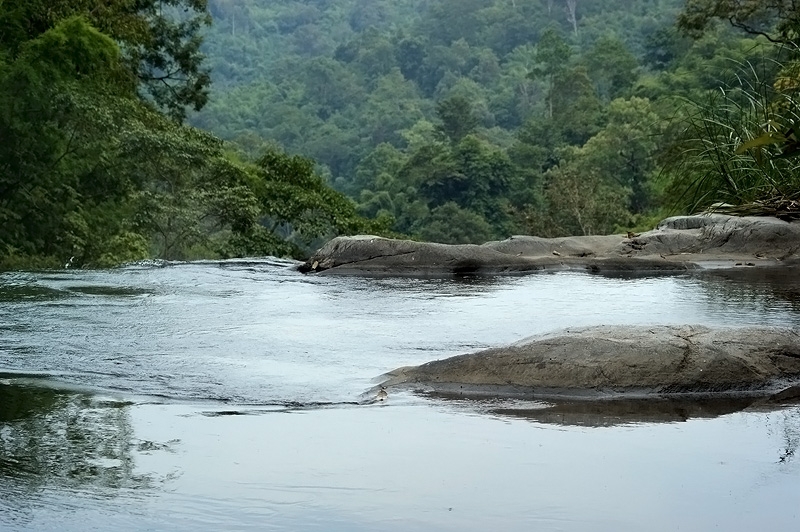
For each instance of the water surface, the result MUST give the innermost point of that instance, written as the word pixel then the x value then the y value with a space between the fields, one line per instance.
pixel 228 396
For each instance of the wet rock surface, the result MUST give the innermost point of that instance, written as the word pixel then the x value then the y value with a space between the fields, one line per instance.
pixel 609 362
pixel 619 362
pixel 678 244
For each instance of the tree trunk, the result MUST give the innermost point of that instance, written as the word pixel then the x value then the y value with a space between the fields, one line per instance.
pixel 572 18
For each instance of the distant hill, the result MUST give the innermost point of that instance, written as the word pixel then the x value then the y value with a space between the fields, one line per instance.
pixel 332 79
pixel 464 120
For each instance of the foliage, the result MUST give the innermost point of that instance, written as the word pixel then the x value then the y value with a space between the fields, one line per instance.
pixel 451 224
pixel 455 121
pixel 740 146
pixel 776 20
pixel 160 41
pixel 385 95
pixel 294 197
pixel 92 174
pixel 740 150
pixel 580 204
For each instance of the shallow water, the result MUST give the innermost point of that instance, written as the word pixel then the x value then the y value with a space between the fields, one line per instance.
pixel 228 395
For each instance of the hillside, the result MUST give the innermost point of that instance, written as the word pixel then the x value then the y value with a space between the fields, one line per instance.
pixel 463 120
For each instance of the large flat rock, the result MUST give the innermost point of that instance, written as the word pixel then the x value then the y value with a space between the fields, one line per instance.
pixel 678 244
pixel 620 361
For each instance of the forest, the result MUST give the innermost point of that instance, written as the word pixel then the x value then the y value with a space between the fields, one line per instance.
pixel 186 129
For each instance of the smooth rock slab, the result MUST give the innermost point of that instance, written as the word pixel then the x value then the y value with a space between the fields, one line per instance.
pixel 678 244
pixel 608 361
pixel 377 256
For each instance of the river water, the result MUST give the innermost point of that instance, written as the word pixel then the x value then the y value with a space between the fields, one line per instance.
pixel 235 396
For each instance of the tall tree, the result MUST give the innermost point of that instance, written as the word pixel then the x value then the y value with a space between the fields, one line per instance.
pixel 572 15
pixel 457 118
pixel 160 40
pixel 552 57
pixel 611 67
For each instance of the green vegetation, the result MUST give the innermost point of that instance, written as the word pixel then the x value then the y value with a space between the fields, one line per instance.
pixel 96 169
pixel 462 121
pixel 739 153
pixel 448 120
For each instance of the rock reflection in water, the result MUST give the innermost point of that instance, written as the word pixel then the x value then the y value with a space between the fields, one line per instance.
pixel 608 413
pixel 646 411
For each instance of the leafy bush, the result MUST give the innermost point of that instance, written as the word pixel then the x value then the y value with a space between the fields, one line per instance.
pixel 738 152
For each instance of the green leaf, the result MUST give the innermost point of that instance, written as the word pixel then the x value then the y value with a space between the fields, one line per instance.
pixel 767 139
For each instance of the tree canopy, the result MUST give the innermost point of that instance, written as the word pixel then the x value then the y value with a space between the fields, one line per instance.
pixel 450 120
pixel 160 41
pixel 94 168
pixel 776 20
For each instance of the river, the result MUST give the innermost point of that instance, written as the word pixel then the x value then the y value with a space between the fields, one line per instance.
pixel 234 395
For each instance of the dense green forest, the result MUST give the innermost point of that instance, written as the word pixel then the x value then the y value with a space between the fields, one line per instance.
pixel 96 167
pixel 467 120
pixel 182 129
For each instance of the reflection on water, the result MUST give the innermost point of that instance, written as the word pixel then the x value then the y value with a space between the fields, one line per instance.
pixel 608 413
pixel 55 439
pixel 10 292
pixel 408 467
pixel 791 435
pixel 113 291
pixel 73 462
pixel 770 287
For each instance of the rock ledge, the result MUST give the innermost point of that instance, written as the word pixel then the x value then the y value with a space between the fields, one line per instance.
pixel 678 244
pixel 620 361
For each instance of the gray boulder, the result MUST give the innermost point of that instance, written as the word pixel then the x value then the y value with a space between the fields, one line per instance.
pixel 634 410
pixel 719 235
pixel 377 256
pixel 615 361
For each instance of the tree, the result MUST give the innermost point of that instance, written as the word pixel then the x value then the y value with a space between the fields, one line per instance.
pixel 451 224
pixel 160 40
pixel 393 106
pixel 611 67
pixel 663 46
pixel 624 152
pixel 457 118
pixel 576 109
pixel 93 175
pixel 61 98
pixel 520 90
pixel 294 198
pixel 410 55
pixel 581 204
pixel 777 20
pixel 572 15
pixel 451 20
pixel 552 56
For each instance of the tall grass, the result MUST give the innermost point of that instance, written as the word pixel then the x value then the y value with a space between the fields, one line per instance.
pixel 739 151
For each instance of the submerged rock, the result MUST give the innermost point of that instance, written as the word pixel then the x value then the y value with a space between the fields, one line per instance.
pixel 678 244
pixel 620 361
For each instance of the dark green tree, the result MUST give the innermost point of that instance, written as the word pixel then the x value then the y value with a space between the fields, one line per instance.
pixel 552 57
pixel 777 20
pixel 611 67
pixel 457 118
pixel 160 40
